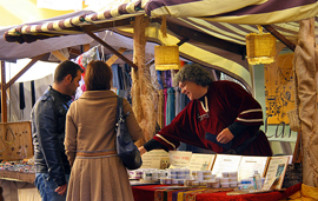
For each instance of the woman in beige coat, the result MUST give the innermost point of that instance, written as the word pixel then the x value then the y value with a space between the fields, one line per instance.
pixel 97 172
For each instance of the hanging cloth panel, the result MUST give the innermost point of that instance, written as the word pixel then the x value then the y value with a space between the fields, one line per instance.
pixel 33 92
pixel 306 65
pixel 170 108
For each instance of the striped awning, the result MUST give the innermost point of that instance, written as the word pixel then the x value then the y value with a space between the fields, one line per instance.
pixel 239 12
pixel 223 23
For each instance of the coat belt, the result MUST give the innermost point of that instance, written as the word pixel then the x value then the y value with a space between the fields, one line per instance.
pixel 95 154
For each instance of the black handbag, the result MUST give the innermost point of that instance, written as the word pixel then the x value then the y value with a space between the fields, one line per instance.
pixel 126 149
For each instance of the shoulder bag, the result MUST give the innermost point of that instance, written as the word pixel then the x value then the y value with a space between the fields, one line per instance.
pixel 126 149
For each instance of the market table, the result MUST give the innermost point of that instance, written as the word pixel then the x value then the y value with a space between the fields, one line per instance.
pixel 159 193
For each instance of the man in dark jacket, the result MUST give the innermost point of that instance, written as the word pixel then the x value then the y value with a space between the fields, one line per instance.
pixel 48 128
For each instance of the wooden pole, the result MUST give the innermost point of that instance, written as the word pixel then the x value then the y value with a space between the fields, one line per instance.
pixel 4 117
pixel 92 35
pixel 114 58
pixel 280 37
pixel 22 71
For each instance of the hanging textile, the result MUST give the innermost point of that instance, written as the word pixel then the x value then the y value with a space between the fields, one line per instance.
pixel 21 96
pixel 306 68
pixel 33 93
pixel 165 93
pixel 161 107
pixel 279 89
pixel 116 83
pixel 170 108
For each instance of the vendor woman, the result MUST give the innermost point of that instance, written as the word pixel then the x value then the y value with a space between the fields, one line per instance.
pixel 221 116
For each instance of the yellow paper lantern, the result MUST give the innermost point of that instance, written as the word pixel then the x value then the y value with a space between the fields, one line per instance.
pixel 167 57
pixel 260 48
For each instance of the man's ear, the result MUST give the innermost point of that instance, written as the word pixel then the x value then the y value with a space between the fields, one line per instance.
pixel 68 78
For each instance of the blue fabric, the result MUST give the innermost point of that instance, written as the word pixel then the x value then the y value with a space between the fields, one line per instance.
pixel 168 79
pixel 184 100
pixel 170 108
pixel 47 187
pixel 160 77
pixel 177 100
pixel 120 77
pixel 116 83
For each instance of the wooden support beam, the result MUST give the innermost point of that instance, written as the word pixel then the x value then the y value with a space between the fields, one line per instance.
pixel 103 26
pixel 91 34
pixel 280 37
pixel 113 58
pixel 22 71
pixel 86 47
pixel 59 55
pixel 4 117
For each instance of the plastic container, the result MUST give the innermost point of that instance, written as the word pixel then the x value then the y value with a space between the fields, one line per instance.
pixel 257 181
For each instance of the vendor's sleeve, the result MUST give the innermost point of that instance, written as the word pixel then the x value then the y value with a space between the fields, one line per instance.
pixel 181 129
pixel 154 144
pixel 238 128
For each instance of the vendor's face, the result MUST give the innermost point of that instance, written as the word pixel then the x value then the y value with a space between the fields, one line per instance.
pixel 191 89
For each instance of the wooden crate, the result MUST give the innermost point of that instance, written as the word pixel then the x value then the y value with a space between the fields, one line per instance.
pixel 16 140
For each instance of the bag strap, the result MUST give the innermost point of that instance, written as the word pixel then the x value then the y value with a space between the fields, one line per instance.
pixel 119 108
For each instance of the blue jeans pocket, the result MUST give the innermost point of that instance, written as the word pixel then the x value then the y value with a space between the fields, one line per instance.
pixel 47 188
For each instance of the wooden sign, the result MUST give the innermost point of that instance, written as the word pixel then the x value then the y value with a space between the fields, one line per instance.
pixel 16 140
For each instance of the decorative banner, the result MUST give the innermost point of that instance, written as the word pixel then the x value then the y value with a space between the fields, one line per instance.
pixel 279 89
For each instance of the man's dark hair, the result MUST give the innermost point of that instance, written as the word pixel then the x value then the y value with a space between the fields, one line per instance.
pixel 65 68
pixel 98 76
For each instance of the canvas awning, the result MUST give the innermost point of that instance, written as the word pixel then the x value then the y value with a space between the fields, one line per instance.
pixel 212 31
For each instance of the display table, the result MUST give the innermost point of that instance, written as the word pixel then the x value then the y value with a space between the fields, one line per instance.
pixel 18 186
pixel 157 193
pixel 18 176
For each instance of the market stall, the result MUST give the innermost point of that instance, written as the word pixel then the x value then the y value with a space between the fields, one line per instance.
pixel 210 38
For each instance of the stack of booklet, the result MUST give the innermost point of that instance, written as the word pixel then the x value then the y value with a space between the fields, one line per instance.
pixel 271 168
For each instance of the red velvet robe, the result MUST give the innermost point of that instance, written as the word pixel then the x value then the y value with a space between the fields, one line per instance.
pixel 227 102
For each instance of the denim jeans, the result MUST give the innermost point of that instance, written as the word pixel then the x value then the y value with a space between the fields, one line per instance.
pixel 47 188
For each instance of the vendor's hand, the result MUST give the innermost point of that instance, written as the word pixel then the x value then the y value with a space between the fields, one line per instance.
pixel 225 136
pixel 61 190
pixel 142 150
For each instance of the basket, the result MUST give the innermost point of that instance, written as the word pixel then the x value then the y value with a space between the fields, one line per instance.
pixel 260 48
pixel 167 57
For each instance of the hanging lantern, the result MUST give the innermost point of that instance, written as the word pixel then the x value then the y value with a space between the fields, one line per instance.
pixel 260 48
pixel 167 57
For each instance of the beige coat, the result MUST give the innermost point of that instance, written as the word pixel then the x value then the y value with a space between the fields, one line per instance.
pixel 90 125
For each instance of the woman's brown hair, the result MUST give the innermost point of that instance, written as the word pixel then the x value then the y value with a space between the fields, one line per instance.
pixel 98 76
